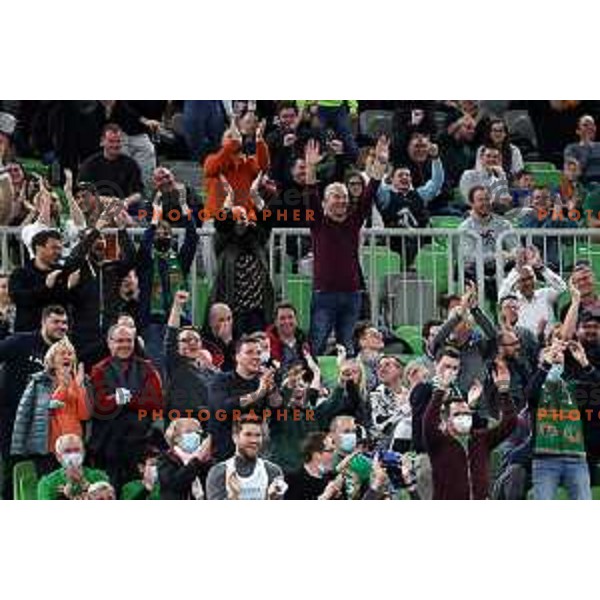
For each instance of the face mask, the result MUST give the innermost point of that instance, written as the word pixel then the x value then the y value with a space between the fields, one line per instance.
pixel 162 244
pixel 72 460
pixel 347 442
pixel 189 442
pixel 555 373
pixel 462 424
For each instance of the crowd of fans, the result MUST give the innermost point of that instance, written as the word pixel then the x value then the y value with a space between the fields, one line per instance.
pixel 107 389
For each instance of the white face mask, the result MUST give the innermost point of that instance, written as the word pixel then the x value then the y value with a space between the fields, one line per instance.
pixel 72 460
pixel 462 424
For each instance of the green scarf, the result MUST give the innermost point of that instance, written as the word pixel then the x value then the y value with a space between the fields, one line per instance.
pixel 554 435
pixel 162 296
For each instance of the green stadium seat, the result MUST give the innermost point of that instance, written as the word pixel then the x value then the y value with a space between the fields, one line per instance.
pixel 445 222
pixel 299 291
pixel 386 262
pixel 548 178
pixel 411 334
pixel 540 166
pixel 202 300
pixel 329 370
pixel 25 481
pixel 432 265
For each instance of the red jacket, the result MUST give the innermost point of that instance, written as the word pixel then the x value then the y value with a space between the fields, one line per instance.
pixel 239 170
pixel 146 392
pixel 463 473
pixel 277 344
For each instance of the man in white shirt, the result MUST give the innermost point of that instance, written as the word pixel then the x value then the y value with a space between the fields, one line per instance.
pixel 536 307
pixel 246 476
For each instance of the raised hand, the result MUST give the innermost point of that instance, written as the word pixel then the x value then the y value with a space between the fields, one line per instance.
pixel 474 394
pixel 181 297
pixel 289 139
pixel 80 375
pixel 234 132
pixel 469 298
pixel 68 182
pixel 445 379
pixel 74 279
pixel 333 489
pixel 578 353
pixel 310 361
pixel 232 485
pixel 52 277
pixel 254 193
pixel 574 291
pixel 204 452
pixel 312 154
pixel 227 191
pixel 535 258
pixel 501 374
pixel 260 130
pixel 267 382
pixel 382 149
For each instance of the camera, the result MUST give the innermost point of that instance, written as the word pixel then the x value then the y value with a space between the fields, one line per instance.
pixel 392 463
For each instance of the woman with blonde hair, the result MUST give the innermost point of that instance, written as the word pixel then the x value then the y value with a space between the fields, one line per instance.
pixel 53 404
pixel 184 467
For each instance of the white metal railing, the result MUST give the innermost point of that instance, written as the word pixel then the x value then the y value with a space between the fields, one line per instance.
pixel 405 271
pixel 559 248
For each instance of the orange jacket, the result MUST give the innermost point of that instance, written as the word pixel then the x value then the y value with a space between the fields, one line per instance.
pixel 68 419
pixel 239 170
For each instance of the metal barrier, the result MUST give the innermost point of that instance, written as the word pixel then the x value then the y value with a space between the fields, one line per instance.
pixel 13 253
pixel 559 248
pixel 405 271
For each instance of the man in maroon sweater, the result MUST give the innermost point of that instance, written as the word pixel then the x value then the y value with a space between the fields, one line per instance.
pixel 460 455
pixel 335 233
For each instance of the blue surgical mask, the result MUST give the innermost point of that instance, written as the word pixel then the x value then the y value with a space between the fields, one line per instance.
pixel 555 373
pixel 189 442
pixel 348 442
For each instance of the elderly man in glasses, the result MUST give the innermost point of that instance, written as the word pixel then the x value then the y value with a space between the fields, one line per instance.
pixel 536 306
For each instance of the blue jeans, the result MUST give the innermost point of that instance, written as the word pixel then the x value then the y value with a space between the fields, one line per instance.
pixel 338 119
pixel 203 126
pixel 571 472
pixel 338 311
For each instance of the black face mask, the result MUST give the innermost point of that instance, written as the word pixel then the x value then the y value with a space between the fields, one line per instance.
pixel 162 244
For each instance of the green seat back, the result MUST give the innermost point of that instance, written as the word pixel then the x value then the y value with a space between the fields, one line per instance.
pixel 25 481
pixel 299 291
pixel 329 370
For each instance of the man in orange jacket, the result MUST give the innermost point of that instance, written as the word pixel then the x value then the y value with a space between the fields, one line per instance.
pixel 243 155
